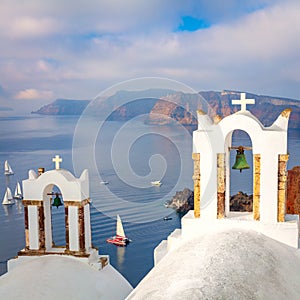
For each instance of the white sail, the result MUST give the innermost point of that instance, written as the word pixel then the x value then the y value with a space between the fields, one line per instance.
pixel 18 192
pixel 5 199
pixel 120 230
pixel 8 199
pixel 7 169
pixel 9 194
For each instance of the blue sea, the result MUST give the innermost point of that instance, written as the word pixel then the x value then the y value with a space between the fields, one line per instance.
pixel 128 155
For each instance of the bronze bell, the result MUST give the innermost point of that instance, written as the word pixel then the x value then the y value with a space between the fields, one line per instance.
pixel 240 160
pixel 57 202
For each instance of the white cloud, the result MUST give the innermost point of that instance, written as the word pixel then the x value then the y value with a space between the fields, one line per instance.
pixel 77 49
pixel 33 94
pixel 25 27
pixel 43 66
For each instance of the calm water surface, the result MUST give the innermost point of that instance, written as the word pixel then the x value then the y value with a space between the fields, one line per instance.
pixel 30 142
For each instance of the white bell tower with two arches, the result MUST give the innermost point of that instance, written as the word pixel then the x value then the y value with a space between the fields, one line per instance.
pixel 211 146
pixel 37 212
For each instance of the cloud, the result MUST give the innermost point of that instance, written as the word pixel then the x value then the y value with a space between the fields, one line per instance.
pixel 263 37
pixel 44 18
pixel 33 94
pixel 77 49
pixel 47 65
pixel 37 18
pixel 25 27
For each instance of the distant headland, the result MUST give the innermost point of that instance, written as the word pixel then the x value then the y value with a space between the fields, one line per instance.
pixel 162 109
pixel 63 107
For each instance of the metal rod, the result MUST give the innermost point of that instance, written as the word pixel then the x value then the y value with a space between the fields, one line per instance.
pixel 237 147
pixel 52 194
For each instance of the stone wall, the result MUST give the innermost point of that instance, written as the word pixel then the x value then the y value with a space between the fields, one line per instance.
pixel 293 191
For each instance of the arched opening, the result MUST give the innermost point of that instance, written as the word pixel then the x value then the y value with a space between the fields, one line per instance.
pixel 239 191
pixel 55 226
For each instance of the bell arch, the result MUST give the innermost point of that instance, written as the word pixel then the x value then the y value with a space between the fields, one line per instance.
pixel 210 151
pixel 228 164
pixel 49 216
pixel 37 207
pixel 262 148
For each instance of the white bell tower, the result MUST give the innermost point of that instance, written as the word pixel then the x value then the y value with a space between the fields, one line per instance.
pixel 37 212
pixel 211 147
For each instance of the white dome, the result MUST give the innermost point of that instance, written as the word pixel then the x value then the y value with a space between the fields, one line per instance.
pixel 62 277
pixel 237 264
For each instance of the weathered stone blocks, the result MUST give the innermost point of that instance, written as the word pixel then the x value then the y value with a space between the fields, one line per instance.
pixel 196 178
pixel 293 191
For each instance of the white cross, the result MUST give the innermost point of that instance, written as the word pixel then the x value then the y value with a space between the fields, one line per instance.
pixel 57 160
pixel 243 102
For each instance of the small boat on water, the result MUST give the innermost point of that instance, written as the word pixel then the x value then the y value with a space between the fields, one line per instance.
pixel 8 198
pixel 18 192
pixel 7 169
pixel 120 238
pixel 156 183
pixel 167 218
pixel 104 182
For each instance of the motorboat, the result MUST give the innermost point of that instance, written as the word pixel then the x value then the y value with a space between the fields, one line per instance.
pixel 156 183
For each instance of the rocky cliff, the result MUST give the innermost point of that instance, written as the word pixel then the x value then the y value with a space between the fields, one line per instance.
pixel 266 108
pixel 63 107
pixel 241 202
pixel 137 103
pixel 183 201
pixel 177 107
pixel 166 107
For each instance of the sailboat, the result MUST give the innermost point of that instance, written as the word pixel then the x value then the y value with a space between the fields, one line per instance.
pixel 7 169
pixel 120 238
pixel 8 199
pixel 18 192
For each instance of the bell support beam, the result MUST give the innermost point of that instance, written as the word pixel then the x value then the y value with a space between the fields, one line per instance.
pixel 282 185
pixel 41 227
pixel 256 186
pixel 196 178
pixel 38 204
pixel 81 229
pixel 26 228
pixel 221 175
pixel 80 244
pixel 237 147
pixel 67 228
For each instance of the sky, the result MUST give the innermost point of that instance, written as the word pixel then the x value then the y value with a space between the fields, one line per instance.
pixel 76 49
